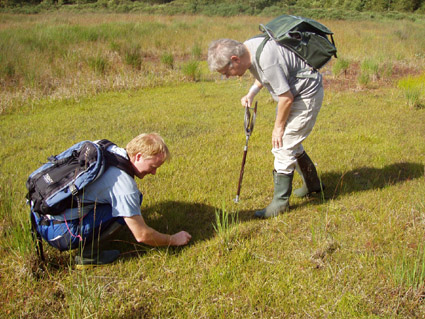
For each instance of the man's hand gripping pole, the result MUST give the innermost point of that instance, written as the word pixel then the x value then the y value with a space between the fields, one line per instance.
pixel 249 122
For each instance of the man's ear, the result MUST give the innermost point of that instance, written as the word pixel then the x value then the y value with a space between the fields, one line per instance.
pixel 235 58
pixel 138 157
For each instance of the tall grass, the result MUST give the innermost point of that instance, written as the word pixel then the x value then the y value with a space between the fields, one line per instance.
pixel 168 60
pixel 98 64
pixel 67 55
pixel 15 229
pixel 225 222
pixel 369 71
pixel 192 70
pixel 340 66
pixel 413 89
pixel 86 295
pixel 410 270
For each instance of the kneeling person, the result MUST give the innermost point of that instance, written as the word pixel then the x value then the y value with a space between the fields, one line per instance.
pixel 117 202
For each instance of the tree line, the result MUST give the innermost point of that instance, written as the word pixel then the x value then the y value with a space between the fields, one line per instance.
pixel 356 5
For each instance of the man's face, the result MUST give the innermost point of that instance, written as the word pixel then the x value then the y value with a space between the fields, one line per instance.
pixel 233 68
pixel 147 166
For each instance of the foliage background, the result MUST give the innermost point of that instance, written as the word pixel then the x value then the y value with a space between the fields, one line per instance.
pixel 323 8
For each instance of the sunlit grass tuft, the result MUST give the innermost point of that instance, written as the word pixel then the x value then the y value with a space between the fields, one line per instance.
pixel 413 89
pixel 409 271
pixel 340 66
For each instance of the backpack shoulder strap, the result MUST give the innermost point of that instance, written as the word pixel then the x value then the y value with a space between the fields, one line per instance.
pixel 115 159
pixel 105 143
pixel 302 73
pixel 261 47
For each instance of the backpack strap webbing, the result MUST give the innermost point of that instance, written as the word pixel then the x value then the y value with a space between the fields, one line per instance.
pixel 261 47
pixel 36 237
pixel 115 159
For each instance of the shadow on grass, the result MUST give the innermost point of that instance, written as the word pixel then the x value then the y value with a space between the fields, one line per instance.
pixel 357 180
pixel 369 178
pixel 363 179
pixel 199 219
pixel 171 217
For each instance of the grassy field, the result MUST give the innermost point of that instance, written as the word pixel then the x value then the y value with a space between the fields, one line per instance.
pixel 357 252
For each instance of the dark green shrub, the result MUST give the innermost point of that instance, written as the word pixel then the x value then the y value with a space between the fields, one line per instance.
pixel 191 70
pixel 168 60
pixel 98 64
pixel 133 56
pixel 7 70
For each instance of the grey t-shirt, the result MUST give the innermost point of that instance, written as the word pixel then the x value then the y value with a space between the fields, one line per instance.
pixel 279 69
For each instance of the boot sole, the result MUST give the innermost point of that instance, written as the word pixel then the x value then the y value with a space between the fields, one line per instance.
pixel 262 215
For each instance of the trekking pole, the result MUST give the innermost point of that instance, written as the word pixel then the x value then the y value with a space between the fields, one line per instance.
pixel 249 122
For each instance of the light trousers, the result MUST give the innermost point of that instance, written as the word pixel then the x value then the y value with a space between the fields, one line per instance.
pixel 299 125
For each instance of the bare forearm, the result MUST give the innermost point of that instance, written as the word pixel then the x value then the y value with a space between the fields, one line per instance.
pixel 154 238
pixel 149 236
pixel 283 109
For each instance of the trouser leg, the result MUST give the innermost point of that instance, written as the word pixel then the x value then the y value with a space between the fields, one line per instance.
pixel 102 226
pixel 299 125
pixel 97 227
pixel 86 235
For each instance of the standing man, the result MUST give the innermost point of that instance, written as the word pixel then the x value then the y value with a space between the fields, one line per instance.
pixel 298 91
pixel 116 201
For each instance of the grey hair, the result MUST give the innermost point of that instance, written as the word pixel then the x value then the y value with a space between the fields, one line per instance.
pixel 220 52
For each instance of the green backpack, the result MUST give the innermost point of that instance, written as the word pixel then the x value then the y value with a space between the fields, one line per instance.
pixel 307 38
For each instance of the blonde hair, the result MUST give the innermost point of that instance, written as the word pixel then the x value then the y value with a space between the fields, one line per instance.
pixel 149 145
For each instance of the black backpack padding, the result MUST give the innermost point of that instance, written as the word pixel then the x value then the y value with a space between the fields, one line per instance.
pixel 55 186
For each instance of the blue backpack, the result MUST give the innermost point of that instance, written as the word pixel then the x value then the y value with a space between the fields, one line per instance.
pixel 56 185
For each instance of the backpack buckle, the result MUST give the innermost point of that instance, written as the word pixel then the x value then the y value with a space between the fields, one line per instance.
pixel 73 189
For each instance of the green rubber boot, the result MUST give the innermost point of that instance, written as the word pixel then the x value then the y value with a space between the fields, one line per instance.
pixel 282 192
pixel 311 182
